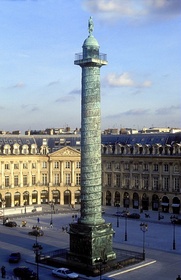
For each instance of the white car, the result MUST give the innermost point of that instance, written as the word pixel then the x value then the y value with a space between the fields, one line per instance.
pixel 65 273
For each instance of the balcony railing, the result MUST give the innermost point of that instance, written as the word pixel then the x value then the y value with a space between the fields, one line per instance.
pixel 101 56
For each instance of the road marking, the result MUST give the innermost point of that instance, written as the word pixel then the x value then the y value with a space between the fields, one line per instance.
pixel 131 269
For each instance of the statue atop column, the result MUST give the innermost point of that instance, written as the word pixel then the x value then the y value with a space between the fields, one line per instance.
pixel 90 26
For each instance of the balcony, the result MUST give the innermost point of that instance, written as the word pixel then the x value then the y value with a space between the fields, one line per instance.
pixel 100 56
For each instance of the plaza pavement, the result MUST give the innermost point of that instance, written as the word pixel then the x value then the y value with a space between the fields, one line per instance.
pixel 161 263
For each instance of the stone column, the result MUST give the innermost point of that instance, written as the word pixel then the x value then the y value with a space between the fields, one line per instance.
pixel 91 237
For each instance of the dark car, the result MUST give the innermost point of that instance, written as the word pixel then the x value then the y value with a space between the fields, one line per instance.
pixel 25 273
pixel 124 213
pixel 10 224
pixel 176 221
pixel 15 257
pixel 36 232
pixel 134 216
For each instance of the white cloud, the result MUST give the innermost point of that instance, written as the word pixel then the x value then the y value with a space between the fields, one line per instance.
pixel 124 80
pixel 19 85
pixel 115 9
pixel 146 84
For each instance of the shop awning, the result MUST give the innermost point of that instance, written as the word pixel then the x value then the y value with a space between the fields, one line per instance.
pixel 175 205
pixel 165 204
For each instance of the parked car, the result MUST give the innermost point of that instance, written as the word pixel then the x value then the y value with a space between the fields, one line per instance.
pixel 121 214
pixel 14 257
pixel 36 227
pixel 10 224
pixel 176 221
pixel 65 273
pixel 134 216
pixel 25 273
pixel 36 232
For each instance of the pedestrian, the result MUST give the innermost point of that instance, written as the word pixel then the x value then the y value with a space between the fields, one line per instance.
pixel 178 278
pixel 3 271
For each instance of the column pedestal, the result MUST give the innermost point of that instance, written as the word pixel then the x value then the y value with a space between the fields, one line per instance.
pixel 90 242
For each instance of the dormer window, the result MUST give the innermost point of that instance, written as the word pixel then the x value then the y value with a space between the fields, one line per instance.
pixel 44 150
pixel 6 149
pixel 16 149
pixel 33 149
pixel 25 150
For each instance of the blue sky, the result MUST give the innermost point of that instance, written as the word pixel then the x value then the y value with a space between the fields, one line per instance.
pixel 40 85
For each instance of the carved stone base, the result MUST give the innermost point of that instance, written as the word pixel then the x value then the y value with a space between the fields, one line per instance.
pixel 89 243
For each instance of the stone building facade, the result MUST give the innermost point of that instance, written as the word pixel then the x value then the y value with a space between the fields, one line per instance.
pixel 138 171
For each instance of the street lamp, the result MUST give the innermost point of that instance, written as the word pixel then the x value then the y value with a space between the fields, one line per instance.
pixel 3 204
pixel 100 262
pixel 52 207
pixel 144 228
pixel 173 221
pixel 125 233
pixel 117 205
pixel 37 250
pixel 25 206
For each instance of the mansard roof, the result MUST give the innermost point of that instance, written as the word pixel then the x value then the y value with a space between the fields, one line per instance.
pixel 56 142
pixel 143 139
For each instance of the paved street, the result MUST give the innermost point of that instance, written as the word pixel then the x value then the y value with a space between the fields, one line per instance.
pixel 162 262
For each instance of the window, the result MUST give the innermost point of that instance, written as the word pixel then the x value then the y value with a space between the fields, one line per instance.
pixel 44 179
pixel 165 167
pixel 16 166
pixel 127 178
pixel 126 166
pixel 135 166
pixel 176 184
pixel 67 164
pixel 25 180
pixel 78 164
pixel 6 151
pixel 165 183
pixel 78 179
pixel 176 168
pixel 56 164
pixel 109 179
pixel 6 181
pixel 145 183
pixel 56 179
pixel 25 150
pixel 145 167
pixel 6 166
pixel 33 151
pixel 67 179
pixel 117 166
pixel 25 165
pixel 44 151
pixel 136 182
pixel 44 164
pixel 155 183
pixel 16 151
pixel 33 165
pixel 33 180
pixel 16 180
pixel 118 180
pixel 155 167
pixel 108 165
